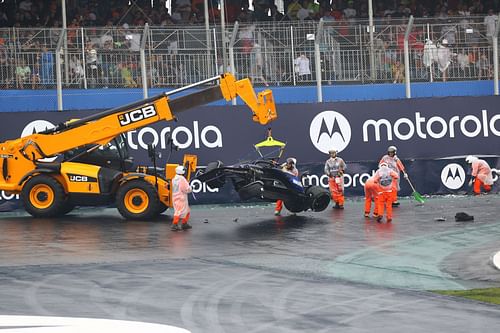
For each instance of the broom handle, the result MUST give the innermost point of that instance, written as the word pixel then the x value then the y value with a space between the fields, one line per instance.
pixel 411 185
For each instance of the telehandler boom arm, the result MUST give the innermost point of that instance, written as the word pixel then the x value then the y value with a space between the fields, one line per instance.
pixel 20 156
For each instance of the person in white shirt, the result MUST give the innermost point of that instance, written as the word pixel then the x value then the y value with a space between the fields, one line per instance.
pixel 302 67
pixel 490 22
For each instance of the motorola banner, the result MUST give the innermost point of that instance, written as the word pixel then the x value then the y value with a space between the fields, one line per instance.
pixel 424 131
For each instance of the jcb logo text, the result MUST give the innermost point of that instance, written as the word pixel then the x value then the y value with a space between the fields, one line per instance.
pixel 130 117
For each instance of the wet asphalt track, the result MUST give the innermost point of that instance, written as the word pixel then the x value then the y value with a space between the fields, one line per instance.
pixel 240 269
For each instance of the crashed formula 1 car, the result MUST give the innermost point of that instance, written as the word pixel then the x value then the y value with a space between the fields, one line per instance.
pixel 264 179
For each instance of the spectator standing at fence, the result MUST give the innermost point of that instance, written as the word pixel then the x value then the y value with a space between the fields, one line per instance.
pixel 334 169
pixel 92 65
pixel 444 59
pixel 46 66
pixel 302 67
pixel 481 174
pixel 76 70
pixel 490 22
pixel 484 67
pixel 288 167
pixel 4 64
pixel 385 178
pixel 23 74
pixel 398 72
pixel 257 65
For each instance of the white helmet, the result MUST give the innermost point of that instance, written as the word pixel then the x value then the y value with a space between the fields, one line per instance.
pixel 291 160
pixel 331 151
pixel 470 159
pixel 392 149
pixel 180 170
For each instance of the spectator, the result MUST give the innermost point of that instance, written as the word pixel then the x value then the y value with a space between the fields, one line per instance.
pixel 257 65
pixel 293 10
pixel 490 22
pixel 4 64
pixel 46 67
pixel 302 68
pixel 276 16
pixel 126 75
pixel 464 64
pixel 484 67
pixel 350 12
pixel 76 70
pixel 444 59
pixel 183 7
pixel 92 65
pixel 23 74
pixel 398 72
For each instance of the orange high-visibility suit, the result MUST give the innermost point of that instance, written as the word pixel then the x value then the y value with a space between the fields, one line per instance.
pixel 394 163
pixel 334 169
pixel 371 194
pixel 483 177
pixel 385 179
pixel 180 190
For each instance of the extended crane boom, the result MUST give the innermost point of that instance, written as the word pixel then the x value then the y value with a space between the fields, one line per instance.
pixel 21 158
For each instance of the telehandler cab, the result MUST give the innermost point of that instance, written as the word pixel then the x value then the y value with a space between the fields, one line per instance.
pixel 93 165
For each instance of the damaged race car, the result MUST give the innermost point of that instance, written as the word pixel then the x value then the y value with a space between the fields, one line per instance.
pixel 265 180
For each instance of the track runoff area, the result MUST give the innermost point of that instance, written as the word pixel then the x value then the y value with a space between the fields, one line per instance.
pixel 242 269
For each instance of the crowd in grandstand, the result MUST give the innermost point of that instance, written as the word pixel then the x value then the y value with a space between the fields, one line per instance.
pixel 28 62
pixel 47 13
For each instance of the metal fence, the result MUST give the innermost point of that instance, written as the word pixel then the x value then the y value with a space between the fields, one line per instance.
pixel 289 53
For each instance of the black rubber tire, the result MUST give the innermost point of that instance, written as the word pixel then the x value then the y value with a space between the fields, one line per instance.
pixel 67 207
pixel 295 206
pixel 40 188
pixel 220 179
pixel 319 198
pixel 137 200
pixel 161 208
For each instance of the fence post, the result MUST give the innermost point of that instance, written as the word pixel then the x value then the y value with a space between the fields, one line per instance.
pixel 293 55
pixel 317 55
pixel 407 57
pixel 142 51
pixel 58 70
pixel 372 48
pixel 495 57
pixel 231 53
pixel 84 61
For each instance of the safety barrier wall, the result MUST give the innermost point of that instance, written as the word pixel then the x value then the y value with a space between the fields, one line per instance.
pixel 433 135
pixel 94 99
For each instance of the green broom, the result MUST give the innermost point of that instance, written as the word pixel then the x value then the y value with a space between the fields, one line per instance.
pixel 415 194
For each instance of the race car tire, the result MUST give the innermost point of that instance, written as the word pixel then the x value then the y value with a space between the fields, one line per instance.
pixel 295 205
pixel 219 178
pixel 319 198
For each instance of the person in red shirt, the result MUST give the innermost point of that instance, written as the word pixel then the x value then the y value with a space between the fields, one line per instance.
pixel 385 178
